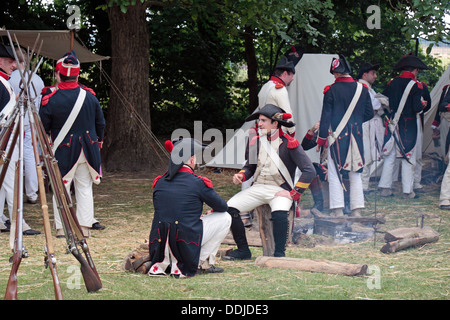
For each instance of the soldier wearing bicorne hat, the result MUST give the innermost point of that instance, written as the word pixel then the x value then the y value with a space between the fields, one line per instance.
pixel 72 115
pixel 346 149
pixel 404 123
pixel 183 241
pixel 272 159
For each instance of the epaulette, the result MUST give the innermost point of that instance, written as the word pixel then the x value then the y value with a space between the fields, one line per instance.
pixel 327 88
pixel 45 98
pixel 156 180
pixel 279 86
pixel 419 84
pixel 46 89
pixel 86 88
pixel 292 142
pixel 207 182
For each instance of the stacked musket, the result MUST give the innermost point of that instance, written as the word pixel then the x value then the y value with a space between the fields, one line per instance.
pixel 12 127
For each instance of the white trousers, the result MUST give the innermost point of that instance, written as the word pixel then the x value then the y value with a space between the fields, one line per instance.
pixel 31 180
pixel 216 226
pixel 7 194
pixel 407 171
pixel 257 195
pixel 336 190
pixel 84 197
pixel 418 152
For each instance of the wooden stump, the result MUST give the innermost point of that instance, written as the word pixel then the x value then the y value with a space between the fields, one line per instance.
pixel 264 214
pixel 322 266
pixel 403 238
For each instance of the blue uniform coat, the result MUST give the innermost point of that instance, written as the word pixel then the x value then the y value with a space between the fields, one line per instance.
pixel 336 100
pixel 407 124
pixel 178 208
pixel 86 132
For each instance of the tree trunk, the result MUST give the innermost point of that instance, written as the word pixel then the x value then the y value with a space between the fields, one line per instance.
pixel 126 146
pixel 252 69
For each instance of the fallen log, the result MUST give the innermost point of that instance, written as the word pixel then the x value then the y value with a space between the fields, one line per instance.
pixel 403 238
pixel 137 261
pixel 313 265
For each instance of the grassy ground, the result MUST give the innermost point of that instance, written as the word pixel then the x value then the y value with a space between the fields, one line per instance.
pixel 124 205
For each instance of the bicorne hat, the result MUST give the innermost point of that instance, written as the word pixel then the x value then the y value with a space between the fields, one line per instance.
pixel 68 65
pixel 273 112
pixel 285 64
pixel 6 51
pixel 180 151
pixel 366 67
pixel 410 61
pixel 340 65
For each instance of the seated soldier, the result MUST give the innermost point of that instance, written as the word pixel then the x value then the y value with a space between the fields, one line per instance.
pixel 272 158
pixel 182 239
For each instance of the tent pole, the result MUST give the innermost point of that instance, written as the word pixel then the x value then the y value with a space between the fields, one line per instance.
pixel 72 32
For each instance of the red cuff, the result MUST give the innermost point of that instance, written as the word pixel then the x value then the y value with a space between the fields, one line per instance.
pixel 321 141
pixel 435 123
pixel 295 195
pixel 309 136
pixel 243 175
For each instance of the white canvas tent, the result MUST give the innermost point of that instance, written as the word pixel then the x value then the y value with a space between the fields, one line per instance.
pixel 305 94
pixel 428 145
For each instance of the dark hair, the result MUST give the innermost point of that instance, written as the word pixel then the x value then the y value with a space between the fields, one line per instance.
pixel 67 79
pixel 409 69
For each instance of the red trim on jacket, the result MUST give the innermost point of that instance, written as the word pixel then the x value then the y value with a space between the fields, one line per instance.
pixel 4 75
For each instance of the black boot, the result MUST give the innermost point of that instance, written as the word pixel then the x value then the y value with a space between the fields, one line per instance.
pixel 238 230
pixel 316 191
pixel 280 232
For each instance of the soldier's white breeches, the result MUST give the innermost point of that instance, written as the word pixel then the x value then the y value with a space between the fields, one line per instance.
pixel 336 190
pixel 444 197
pixel 83 194
pixel 407 171
pixel 7 194
pixel 216 226
pixel 418 153
pixel 257 195
pixel 31 179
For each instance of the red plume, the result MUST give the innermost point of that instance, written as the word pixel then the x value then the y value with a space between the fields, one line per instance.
pixel 168 145
pixel 287 116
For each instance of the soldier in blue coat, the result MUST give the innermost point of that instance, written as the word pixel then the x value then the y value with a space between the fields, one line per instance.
pixel 183 241
pixel 72 115
pixel 346 154
pixel 406 127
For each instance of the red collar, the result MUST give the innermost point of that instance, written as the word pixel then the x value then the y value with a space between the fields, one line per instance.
pixel 68 85
pixel 277 80
pixel 345 79
pixel 4 75
pixel 407 75
pixel 186 169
